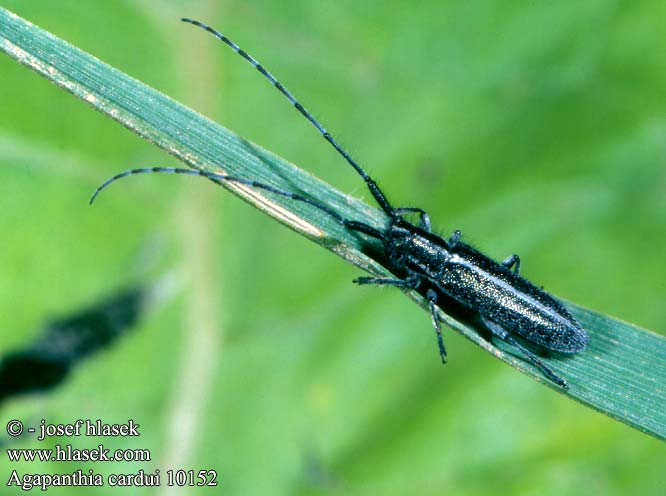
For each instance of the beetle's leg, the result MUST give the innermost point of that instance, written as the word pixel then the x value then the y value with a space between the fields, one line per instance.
pixel 534 360
pixel 432 299
pixel 424 218
pixel 504 335
pixel 381 281
pixel 512 261
pixel 412 281
pixel 454 238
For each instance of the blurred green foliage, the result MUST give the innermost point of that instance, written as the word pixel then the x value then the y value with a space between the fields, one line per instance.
pixel 536 128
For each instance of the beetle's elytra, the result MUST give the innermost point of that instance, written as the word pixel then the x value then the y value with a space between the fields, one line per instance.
pixel 508 304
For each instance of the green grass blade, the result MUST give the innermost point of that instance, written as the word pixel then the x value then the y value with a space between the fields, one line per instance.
pixel 622 374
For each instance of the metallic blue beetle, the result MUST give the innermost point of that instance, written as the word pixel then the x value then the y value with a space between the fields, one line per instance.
pixel 438 268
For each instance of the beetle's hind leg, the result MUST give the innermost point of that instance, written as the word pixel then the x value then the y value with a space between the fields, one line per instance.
pixel 512 261
pixel 504 335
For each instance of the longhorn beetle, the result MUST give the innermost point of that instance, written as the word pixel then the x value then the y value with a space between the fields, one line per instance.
pixel 438 268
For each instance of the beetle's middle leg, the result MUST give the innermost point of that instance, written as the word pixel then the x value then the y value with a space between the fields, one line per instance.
pixel 424 218
pixel 412 281
pixel 454 238
pixel 512 261
pixel 503 334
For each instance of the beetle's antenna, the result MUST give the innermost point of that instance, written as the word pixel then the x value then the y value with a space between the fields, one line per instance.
pixel 372 185
pixel 220 178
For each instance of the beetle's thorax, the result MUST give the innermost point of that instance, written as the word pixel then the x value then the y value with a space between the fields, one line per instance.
pixel 411 248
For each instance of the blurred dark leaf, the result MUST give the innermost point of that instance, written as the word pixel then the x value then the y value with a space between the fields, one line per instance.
pixel 67 341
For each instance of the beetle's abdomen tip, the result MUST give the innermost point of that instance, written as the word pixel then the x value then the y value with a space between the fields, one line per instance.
pixel 584 338
pixel 577 340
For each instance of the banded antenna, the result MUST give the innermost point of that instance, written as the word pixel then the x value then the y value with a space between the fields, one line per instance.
pixel 372 185
pixel 220 178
